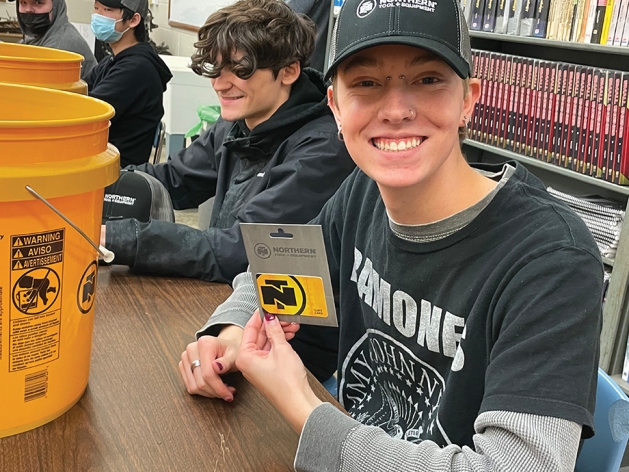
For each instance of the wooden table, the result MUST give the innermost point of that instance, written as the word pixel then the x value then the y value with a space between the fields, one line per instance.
pixel 135 414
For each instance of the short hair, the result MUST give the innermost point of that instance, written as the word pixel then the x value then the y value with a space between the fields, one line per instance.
pixel 267 32
pixel 139 31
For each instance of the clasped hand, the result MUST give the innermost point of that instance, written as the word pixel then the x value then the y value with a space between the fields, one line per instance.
pixel 217 356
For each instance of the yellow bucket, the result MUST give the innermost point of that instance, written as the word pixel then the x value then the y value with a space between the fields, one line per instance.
pixel 56 143
pixel 41 67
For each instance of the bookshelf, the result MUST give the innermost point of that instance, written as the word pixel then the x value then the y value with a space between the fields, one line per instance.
pixel 550 43
pixel 616 311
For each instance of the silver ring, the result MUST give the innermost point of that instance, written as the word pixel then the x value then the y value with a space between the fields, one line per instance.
pixel 195 364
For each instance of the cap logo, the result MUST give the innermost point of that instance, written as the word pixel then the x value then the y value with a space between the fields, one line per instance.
pixel 365 8
pixel 426 5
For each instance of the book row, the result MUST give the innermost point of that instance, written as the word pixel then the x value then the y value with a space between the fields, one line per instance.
pixel 584 21
pixel 569 115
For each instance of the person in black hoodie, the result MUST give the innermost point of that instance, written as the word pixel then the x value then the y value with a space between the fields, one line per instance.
pixel 133 80
pixel 272 157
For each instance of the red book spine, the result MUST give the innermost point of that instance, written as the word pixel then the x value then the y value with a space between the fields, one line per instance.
pixel 538 108
pixel 526 106
pixel 605 127
pixel 515 105
pixel 622 127
pixel 559 113
pixel 575 126
pixel 502 132
pixel 477 73
pixel 590 163
pixel 585 122
pixel 614 106
pixel 530 109
pixel 502 60
pixel 521 92
pixel 566 121
pixel 600 123
pixel 490 91
pixel 550 116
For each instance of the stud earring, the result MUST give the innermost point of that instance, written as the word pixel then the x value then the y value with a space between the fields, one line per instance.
pixel 402 77
pixel 388 77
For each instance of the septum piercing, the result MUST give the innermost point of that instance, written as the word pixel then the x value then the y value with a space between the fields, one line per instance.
pixel 399 77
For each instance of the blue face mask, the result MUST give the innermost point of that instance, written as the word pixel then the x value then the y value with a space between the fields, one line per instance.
pixel 104 29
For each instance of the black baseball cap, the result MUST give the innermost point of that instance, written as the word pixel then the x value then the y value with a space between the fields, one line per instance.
pixel 136 6
pixel 137 195
pixel 437 26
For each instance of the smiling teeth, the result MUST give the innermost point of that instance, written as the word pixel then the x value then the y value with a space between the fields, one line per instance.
pixel 398 145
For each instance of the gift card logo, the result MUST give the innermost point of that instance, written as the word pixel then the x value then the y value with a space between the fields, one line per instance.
pixel 282 294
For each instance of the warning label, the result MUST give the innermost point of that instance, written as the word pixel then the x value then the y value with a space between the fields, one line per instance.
pixel 35 311
pixel 34 341
pixel 36 250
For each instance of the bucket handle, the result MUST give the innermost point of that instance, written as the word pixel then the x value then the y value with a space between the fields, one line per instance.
pixel 106 254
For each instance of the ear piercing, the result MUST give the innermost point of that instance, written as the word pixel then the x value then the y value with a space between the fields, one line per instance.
pixel 339 134
pixel 399 77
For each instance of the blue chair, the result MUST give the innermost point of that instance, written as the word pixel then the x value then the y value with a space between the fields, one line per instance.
pixel 604 452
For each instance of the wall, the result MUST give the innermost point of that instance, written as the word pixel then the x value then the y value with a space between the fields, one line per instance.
pixel 179 41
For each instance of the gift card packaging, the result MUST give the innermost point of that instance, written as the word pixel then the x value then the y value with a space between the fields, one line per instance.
pixel 290 269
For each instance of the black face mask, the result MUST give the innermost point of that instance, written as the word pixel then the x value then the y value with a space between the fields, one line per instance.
pixel 36 23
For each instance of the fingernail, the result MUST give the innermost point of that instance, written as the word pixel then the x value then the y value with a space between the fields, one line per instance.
pixel 220 366
pixel 269 316
pixel 293 323
pixel 229 399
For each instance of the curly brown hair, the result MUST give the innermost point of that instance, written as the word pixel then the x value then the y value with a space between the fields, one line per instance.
pixel 267 32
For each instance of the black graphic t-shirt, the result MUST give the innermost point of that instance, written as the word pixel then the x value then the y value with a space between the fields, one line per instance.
pixel 504 314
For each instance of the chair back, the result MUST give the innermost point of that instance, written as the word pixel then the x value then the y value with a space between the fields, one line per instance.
pixel 604 451
pixel 158 142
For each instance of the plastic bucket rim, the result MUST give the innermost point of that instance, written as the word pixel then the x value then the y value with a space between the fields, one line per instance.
pixel 70 56
pixel 56 123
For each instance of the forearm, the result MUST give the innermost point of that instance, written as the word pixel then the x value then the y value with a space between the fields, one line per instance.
pixel 234 311
pixel 506 441
pixel 164 248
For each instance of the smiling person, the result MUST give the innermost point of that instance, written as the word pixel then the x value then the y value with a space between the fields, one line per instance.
pixel 133 80
pixel 469 299
pixel 45 23
pixel 272 156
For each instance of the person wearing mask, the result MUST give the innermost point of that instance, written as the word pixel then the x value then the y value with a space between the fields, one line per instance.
pixel 132 80
pixel 45 23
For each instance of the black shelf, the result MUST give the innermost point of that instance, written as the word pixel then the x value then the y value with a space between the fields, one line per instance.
pixel 529 161
pixel 600 48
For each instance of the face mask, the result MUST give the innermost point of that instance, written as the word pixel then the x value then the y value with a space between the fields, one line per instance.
pixel 36 24
pixel 104 29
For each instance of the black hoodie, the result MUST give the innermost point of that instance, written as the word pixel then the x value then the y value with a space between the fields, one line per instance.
pixel 282 171
pixel 133 82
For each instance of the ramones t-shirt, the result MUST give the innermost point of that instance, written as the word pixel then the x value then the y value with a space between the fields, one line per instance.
pixel 504 314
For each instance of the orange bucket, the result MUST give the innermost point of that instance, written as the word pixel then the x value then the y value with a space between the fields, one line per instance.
pixel 56 143
pixel 41 67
